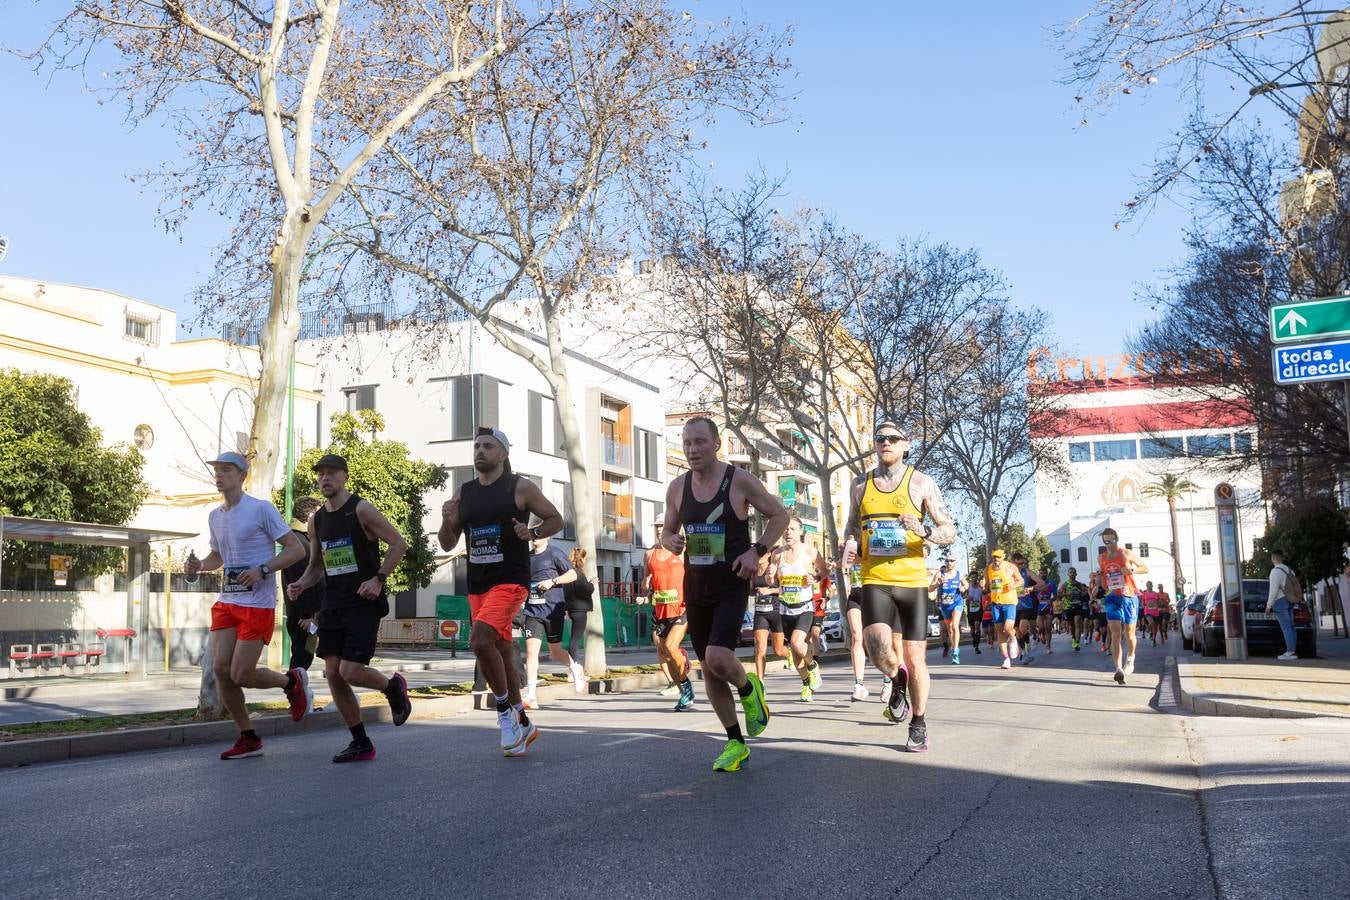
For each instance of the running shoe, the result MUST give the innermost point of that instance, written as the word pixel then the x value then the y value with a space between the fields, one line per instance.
pixel 756 707
pixel 1129 664
pixel 357 751
pixel 670 690
pixel 977 649
pixel 530 702
pixel 301 697
pixel 1027 659
pixel 1075 646
pixel 528 733
pixel 399 704
pixel 859 692
pixel 814 674
pixel 244 747
pixel 1007 663
pixel 733 755
pixel 1120 677
pixel 807 693
pixel 686 701
pixel 956 657
pixel 918 738
pixel 1016 650
pixel 945 650
pixel 898 708
pixel 885 690
pixel 579 678
pixel 511 729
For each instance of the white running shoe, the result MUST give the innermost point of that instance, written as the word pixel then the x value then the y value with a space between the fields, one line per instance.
pixel 1007 663
pixel 1016 650
pixel 1288 656
pixel 860 692
pixel 512 734
pixel 530 702
pixel 578 678
pixel 1129 665
pixel 886 691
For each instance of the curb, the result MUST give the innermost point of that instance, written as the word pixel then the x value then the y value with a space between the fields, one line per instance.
pixel 1201 704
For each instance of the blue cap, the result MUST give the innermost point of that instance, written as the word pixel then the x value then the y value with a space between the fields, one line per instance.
pixel 233 459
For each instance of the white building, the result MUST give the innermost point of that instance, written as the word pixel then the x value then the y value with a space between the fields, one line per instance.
pixel 435 388
pixel 1120 434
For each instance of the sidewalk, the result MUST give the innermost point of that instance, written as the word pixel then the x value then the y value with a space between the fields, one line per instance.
pixel 1265 688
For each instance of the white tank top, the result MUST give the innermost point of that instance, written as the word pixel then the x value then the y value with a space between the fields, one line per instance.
pixel 794 584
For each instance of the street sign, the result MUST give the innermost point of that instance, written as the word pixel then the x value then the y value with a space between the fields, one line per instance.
pixel 1308 363
pixel 1308 319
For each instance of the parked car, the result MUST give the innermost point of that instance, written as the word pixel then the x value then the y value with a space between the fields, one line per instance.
pixel 1263 630
pixel 833 629
pixel 1188 616
pixel 934 626
pixel 748 629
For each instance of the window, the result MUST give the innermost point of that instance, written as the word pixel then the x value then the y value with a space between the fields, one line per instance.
pixel 1101 548
pixel 563 490
pixel 538 482
pixel 544 438
pixel 361 396
pixel 535 412
pixel 1242 443
pixel 1204 548
pixel 141 329
pixel 1064 555
pixel 1080 452
pixel 1209 445
pixel 1143 551
pixel 1161 448
pixel 459 475
pixel 1129 546
pixel 1082 554
pixel 1110 450
pixel 646 449
pixel 473 402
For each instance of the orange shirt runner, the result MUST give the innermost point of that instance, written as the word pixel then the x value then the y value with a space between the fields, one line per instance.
pixel 666 571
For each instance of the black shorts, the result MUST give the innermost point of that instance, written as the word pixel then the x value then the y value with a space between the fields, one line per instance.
pixel 1025 615
pixel 661 627
pixel 768 621
pixel 854 600
pixel 549 629
pixel 349 633
pixel 904 609
pixel 717 624
pixel 800 622
pixel 1101 620
pixel 818 620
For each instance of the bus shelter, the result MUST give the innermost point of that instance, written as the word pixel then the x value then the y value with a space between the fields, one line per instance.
pixel 75 597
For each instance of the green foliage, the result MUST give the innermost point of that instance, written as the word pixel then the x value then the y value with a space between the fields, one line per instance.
pixel 1170 487
pixel 1313 538
pixel 1013 540
pixel 53 465
pixel 384 473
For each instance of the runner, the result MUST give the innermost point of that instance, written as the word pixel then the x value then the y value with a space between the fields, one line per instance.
pixel 344 539
pixel 492 510
pixel 886 516
pixel 986 612
pixel 1164 612
pixel 768 624
pixel 244 534
pixel 974 609
pixel 1026 607
pixel 820 598
pixel 1002 582
pixel 1118 568
pixel 1045 609
pixel 303 609
pixel 1077 607
pixel 799 566
pixel 950 584
pixel 665 585
pixel 1148 611
pixel 853 613
pixel 546 615
pixel 720 561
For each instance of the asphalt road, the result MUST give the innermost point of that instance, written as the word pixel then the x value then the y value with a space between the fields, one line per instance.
pixel 1046 781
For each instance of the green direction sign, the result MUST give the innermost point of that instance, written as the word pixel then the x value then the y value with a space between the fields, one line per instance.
pixel 1310 319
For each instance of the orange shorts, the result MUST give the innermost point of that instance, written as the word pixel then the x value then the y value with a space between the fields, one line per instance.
pixel 254 622
pixel 499 606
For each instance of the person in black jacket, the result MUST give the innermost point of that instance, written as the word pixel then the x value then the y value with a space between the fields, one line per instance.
pixel 579 596
pixel 307 606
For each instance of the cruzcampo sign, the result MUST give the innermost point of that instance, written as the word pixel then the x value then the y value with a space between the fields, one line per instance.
pixel 1310 319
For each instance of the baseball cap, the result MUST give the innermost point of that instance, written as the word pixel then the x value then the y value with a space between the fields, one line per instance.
pixel 233 459
pixel 496 434
pixel 330 461
pixel 904 432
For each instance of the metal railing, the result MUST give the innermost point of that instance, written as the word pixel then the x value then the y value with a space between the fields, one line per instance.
pixel 327 323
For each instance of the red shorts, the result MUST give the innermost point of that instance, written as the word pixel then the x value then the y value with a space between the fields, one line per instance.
pixel 254 623
pixel 498 607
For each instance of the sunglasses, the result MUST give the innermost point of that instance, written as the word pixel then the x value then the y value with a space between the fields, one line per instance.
pixel 887 438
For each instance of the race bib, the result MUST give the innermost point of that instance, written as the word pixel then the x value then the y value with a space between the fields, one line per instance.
pixel 665 596
pixel 485 545
pixel 795 589
pixel 705 543
pixel 1115 580
pixel 229 586
pixel 338 556
pixel 765 603
pixel 996 585
pixel 887 537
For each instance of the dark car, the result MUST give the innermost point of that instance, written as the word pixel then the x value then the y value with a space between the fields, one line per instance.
pixel 1263 630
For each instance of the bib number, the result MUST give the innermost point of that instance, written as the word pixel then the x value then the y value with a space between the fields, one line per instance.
pixel 795 589
pixel 230 586
pixel 996 585
pixel 665 596
pixel 1115 580
pixel 485 545
pixel 705 543
pixel 887 537
pixel 338 556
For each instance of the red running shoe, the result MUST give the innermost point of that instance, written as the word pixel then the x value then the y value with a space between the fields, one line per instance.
pixel 301 696
pixel 244 747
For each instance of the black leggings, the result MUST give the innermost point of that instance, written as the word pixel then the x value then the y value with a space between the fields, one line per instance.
pixel 904 609
pixel 578 618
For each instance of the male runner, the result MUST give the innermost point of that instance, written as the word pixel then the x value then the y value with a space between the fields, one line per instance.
pixel 244 534
pixel 664 584
pixel 707 519
pixel 344 550
pixel 307 605
pixel 492 510
pixel 767 623
pixel 1045 609
pixel 1002 583
pixel 853 612
pixel 820 600
pixel 1077 607
pixel 1118 568
pixel 950 584
pixel 974 609
pixel 886 519
pixel 1026 606
pixel 545 615
pixel 799 567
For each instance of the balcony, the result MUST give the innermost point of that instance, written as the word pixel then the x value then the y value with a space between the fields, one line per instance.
pixel 616 454
pixel 616 528
pixel 806 510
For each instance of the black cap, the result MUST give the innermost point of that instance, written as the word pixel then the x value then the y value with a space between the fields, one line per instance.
pixel 330 461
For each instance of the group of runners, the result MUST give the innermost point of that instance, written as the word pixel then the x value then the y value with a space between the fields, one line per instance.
pixel 705 569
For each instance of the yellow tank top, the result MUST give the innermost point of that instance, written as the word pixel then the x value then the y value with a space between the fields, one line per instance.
pixel 1002 587
pixel 891 555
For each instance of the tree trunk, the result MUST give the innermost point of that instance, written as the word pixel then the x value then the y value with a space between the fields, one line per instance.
pixel 1178 578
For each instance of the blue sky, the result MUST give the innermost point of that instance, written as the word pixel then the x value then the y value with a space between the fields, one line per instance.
pixel 910 120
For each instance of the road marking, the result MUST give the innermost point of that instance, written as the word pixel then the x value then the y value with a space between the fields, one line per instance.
pixel 1283 798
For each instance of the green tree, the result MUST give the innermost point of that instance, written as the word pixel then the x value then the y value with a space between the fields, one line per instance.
pixel 1012 540
pixel 384 473
pixel 1313 537
pixel 1172 488
pixel 53 465
pixel 1043 554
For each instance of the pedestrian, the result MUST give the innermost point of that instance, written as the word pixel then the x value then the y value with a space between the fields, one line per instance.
pixel 345 535
pixel 244 534
pixel 579 598
pixel 306 606
pixel 1285 591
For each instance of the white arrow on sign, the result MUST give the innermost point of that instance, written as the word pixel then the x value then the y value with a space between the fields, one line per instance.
pixel 1292 320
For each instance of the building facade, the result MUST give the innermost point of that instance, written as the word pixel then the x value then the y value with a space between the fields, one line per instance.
pixel 1121 425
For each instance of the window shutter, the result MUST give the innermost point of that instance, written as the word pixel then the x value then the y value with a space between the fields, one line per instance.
pixel 536 422
pixel 461 408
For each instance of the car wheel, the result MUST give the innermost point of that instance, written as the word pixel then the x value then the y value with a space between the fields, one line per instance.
pixel 1208 649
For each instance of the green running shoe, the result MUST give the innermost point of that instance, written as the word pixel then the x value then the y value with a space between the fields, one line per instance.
pixel 733 755
pixel 755 706
pixel 814 673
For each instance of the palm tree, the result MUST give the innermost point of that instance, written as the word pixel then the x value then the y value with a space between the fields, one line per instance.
pixel 1170 487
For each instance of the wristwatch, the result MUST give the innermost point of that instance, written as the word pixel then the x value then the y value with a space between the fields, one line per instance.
pixel 535 531
pixel 383 577
pixel 760 548
pixel 265 569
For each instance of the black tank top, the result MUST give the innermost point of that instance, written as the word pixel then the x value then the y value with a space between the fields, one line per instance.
pixel 349 556
pixel 496 555
pixel 714 536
